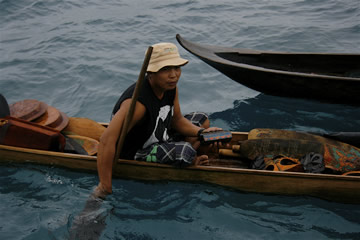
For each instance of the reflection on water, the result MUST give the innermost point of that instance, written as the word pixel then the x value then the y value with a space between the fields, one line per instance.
pixel 266 111
pixel 52 203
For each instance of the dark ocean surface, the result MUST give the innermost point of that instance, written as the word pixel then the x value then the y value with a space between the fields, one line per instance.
pixel 79 56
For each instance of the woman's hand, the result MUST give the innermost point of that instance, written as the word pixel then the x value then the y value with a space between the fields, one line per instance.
pixel 212 129
pixel 201 160
pixel 100 192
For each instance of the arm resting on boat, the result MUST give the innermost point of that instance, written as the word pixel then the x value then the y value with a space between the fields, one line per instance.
pixel 183 125
pixel 186 128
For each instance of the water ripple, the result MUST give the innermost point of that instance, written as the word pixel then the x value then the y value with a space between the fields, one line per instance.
pixel 79 56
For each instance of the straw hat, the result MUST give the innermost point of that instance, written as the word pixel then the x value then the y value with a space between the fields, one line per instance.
pixel 165 54
pixel 49 118
pixel 28 109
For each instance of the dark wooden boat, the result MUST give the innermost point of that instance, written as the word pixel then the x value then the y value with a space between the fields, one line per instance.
pixel 224 170
pixel 327 77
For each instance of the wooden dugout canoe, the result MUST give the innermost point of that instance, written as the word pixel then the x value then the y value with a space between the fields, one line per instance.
pixel 330 187
pixel 327 77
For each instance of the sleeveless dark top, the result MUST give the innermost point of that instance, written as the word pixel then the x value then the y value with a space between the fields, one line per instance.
pixel 155 124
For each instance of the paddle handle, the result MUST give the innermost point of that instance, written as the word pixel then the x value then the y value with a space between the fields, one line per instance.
pixel 134 98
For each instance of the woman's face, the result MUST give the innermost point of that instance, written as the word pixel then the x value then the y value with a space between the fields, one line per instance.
pixel 167 77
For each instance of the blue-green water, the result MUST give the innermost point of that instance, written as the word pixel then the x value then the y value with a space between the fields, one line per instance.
pixel 79 56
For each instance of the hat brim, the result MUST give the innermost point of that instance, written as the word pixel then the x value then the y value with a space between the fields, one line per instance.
pixel 155 67
pixel 64 122
pixel 28 109
pixel 49 118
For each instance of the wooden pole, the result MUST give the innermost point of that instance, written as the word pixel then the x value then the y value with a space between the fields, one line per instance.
pixel 130 114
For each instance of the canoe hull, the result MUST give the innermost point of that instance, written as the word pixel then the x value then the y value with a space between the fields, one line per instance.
pixel 330 187
pixel 292 86
pixel 333 78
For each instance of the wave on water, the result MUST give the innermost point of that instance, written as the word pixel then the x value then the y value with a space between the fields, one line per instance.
pixel 80 55
pixel 48 203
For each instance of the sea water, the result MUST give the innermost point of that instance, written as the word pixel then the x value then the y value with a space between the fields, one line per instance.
pixel 79 56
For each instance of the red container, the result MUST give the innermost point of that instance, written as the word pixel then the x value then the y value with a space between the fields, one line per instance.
pixel 20 133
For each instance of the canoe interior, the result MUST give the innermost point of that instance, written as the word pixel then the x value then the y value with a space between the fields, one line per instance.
pixel 342 65
pixel 226 172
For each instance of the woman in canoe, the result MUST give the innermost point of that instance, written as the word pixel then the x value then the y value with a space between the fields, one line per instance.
pixel 157 114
